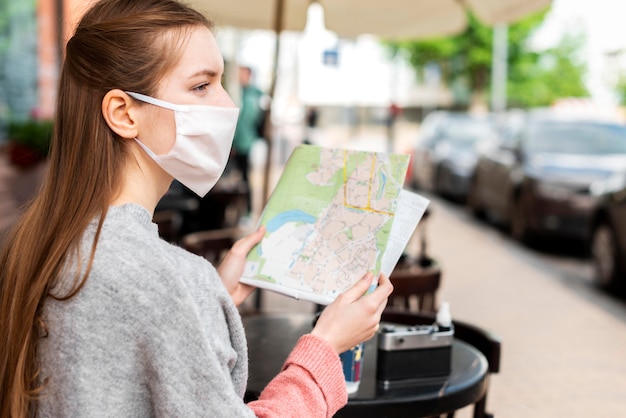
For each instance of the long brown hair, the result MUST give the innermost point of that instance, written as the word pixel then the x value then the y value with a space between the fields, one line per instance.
pixel 117 44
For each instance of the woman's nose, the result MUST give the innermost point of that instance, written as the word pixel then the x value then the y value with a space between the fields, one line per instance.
pixel 224 99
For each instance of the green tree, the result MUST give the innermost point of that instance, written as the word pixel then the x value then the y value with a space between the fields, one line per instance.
pixel 555 73
pixel 465 60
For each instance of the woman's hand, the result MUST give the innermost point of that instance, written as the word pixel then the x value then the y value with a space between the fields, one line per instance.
pixel 353 318
pixel 231 267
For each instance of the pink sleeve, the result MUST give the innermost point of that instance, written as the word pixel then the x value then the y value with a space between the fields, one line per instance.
pixel 310 384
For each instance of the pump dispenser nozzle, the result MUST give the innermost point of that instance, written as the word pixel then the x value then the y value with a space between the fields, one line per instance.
pixel 444 319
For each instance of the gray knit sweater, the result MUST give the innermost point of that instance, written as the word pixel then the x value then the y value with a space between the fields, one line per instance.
pixel 152 333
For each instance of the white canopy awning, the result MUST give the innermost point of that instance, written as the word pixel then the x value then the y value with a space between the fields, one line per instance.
pixel 386 18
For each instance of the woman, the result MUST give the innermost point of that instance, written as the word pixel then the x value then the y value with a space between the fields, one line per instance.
pixel 98 316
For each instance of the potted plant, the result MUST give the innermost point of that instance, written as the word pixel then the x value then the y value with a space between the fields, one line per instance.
pixel 29 141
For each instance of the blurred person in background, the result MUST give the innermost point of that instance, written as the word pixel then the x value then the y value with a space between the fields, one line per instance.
pixel 311 118
pixel 249 127
pixel 98 315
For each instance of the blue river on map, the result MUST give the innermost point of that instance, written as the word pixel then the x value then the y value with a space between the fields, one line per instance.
pixel 383 182
pixel 294 215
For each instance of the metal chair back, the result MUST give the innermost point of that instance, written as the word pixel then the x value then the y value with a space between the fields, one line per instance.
pixel 415 287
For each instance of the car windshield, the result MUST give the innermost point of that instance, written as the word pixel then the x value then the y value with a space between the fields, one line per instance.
pixel 465 133
pixel 577 138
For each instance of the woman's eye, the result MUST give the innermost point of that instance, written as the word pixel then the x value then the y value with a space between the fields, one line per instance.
pixel 201 87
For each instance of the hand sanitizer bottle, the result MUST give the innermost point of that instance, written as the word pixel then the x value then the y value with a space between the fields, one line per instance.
pixel 444 319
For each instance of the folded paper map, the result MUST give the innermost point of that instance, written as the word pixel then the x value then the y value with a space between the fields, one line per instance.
pixel 334 215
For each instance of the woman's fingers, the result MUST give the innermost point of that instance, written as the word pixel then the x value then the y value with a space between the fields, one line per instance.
pixel 354 317
pixel 376 298
pixel 239 251
pixel 358 289
pixel 243 245
pixel 384 288
pixel 232 266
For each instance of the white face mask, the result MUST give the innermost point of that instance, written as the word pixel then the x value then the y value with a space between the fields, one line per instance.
pixel 204 136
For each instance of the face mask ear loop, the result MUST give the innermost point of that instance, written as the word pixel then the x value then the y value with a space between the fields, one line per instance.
pixel 148 150
pixel 157 102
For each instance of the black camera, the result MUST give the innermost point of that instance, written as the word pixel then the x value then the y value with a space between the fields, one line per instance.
pixel 415 352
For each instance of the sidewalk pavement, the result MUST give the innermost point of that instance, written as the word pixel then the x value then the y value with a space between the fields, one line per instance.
pixel 562 341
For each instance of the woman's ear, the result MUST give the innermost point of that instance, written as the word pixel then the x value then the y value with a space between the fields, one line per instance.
pixel 120 113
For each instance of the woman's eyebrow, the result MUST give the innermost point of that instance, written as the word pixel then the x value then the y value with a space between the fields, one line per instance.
pixel 206 72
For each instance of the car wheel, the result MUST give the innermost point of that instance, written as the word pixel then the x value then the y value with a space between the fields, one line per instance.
pixel 519 228
pixel 604 255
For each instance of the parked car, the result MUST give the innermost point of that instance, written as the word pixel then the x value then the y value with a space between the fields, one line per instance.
pixel 446 152
pixel 608 237
pixel 538 177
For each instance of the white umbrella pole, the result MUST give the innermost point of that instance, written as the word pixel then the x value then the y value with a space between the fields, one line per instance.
pixel 499 68
pixel 269 130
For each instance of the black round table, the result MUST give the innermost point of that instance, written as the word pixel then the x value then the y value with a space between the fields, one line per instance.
pixel 271 337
